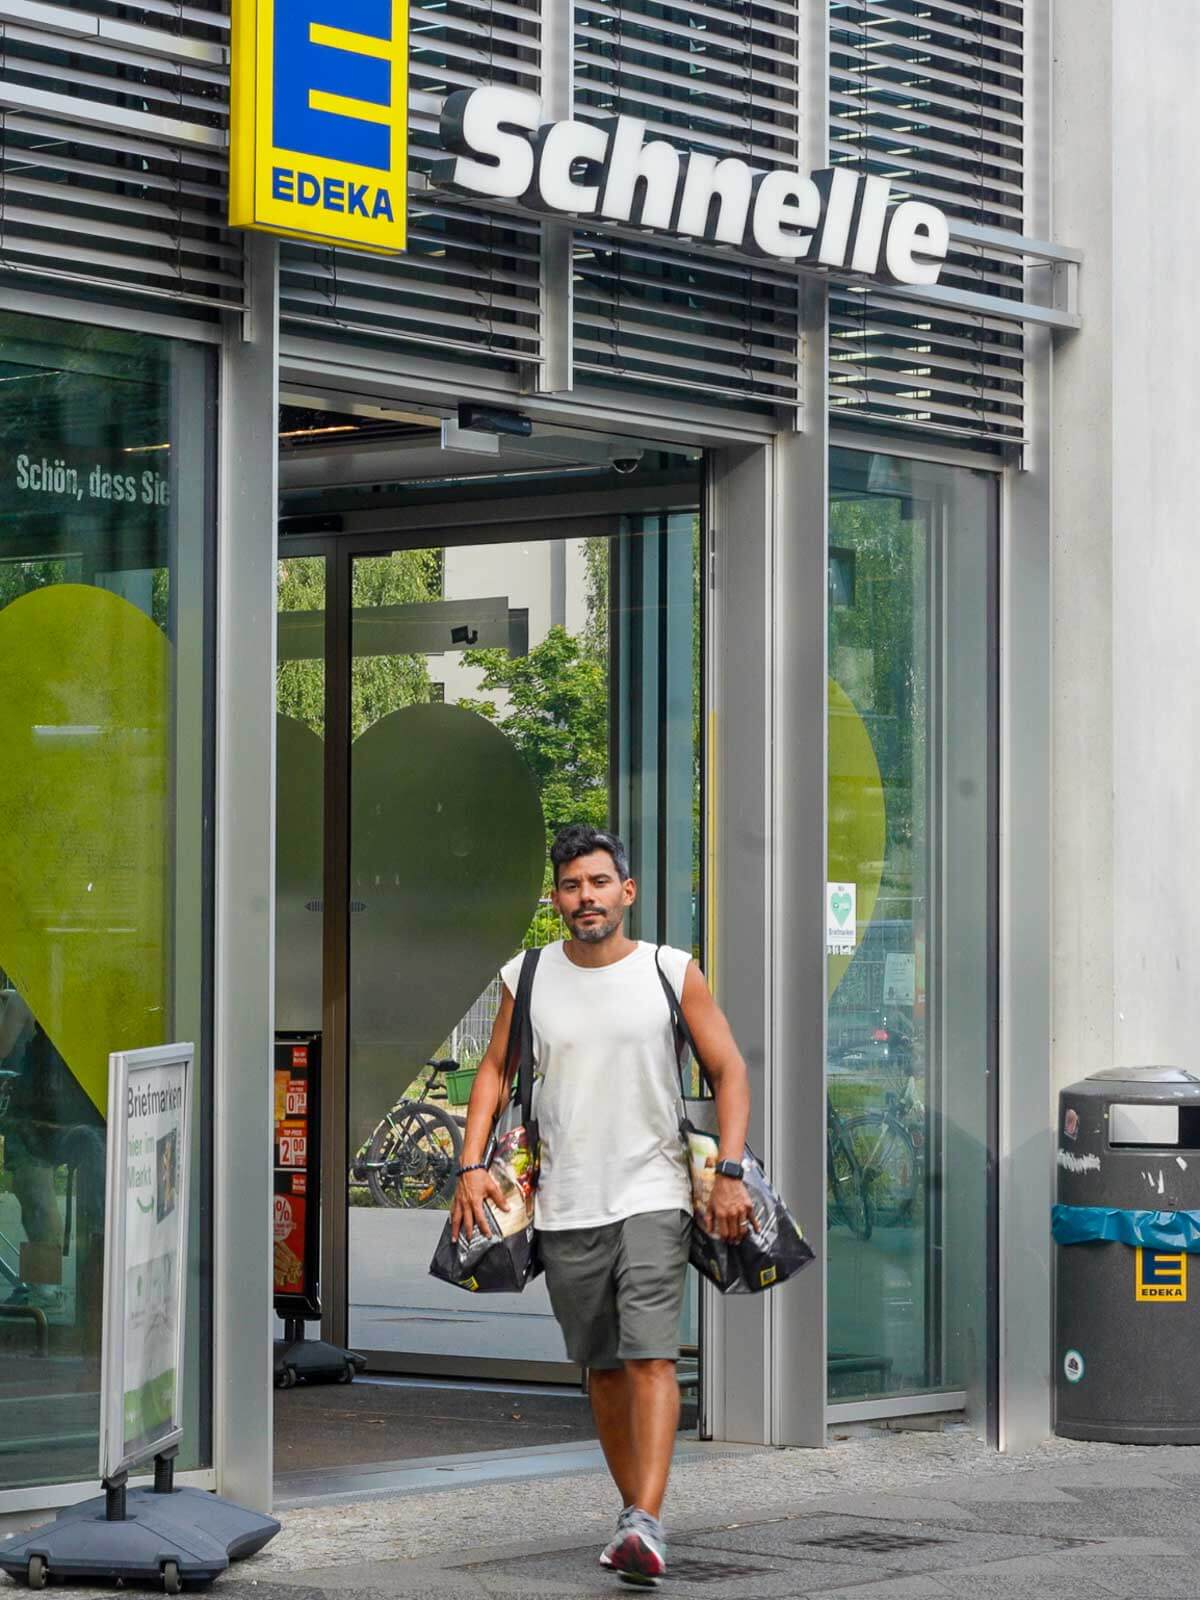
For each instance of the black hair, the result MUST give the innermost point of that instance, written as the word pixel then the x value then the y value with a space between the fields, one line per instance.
pixel 578 839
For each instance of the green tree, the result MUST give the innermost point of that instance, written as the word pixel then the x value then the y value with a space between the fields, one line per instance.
pixel 379 684
pixel 556 714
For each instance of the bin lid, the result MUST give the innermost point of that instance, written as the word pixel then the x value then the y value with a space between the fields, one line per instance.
pixel 1144 1075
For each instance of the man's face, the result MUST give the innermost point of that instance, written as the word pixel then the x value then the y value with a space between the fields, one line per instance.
pixel 591 898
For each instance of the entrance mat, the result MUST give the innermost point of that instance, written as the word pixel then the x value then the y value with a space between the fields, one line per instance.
pixel 344 1425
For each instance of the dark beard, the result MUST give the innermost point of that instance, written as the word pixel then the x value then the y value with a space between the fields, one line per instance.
pixel 598 932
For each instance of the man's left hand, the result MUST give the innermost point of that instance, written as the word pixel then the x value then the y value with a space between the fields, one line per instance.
pixel 730 1212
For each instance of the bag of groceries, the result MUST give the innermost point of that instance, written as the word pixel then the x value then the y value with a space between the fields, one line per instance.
pixel 506 1259
pixel 773 1248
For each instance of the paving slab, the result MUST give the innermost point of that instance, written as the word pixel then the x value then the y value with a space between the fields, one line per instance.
pixel 878 1546
pixel 1061 1521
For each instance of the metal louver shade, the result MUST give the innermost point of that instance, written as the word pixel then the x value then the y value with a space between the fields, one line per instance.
pixel 930 94
pixel 468 286
pixel 721 78
pixel 113 124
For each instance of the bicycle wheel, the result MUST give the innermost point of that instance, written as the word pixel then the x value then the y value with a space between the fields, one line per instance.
pixel 412 1158
pixel 850 1195
pixel 887 1159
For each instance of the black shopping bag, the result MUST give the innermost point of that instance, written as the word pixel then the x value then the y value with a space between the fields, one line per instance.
pixel 505 1260
pixel 774 1248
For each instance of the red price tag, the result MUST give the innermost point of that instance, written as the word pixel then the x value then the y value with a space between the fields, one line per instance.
pixel 293 1149
pixel 300 1055
pixel 296 1099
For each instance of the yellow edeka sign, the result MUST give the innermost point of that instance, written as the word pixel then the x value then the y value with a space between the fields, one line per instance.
pixel 319 141
pixel 1160 1275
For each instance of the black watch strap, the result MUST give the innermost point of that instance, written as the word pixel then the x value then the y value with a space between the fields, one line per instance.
pixel 730 1169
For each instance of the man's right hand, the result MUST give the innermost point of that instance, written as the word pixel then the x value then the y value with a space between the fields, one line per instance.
pixel 468 1211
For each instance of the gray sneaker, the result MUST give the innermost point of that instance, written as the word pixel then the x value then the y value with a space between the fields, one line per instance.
pixel 639 1554
pixel 606 1554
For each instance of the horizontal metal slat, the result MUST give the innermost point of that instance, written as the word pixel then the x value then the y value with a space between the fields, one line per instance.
pixel 137 223
pixel 924 76
pixel 718 18
pixel 722 54
pixel 376 333
pixel 51 158
pixel 931 96
pixel 358 308
pixel 125 272
pixel 196 19
pixel 346 276
pixel 179 93
pixel 702 81
pixel 914 399
pixel 111 141
pixel 105 32
pixel 92 114
pixel 706 390
pixel 620 321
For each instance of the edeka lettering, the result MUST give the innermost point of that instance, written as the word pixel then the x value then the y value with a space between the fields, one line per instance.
pixel 503 150
pixel 319 143
pixel 331 194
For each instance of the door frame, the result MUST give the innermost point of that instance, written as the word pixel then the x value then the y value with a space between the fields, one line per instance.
pixel 465 520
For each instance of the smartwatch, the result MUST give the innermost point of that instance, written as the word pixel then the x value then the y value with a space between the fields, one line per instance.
pixel 730 1169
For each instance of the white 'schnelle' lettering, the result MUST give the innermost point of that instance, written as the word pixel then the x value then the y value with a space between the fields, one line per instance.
pixel 502 149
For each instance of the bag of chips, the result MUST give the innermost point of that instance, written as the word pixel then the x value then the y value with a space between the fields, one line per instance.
pixel 773 1248
pixel 506 1259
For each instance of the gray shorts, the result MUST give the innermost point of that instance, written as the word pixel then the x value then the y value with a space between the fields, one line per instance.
pixel 617 1290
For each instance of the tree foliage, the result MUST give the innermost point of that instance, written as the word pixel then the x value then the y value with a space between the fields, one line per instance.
pixel 379 684
pixel 556 714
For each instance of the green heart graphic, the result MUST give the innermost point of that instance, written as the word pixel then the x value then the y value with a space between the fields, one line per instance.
pixel 857 815
pixel 447 859
pixel 83 819
pixel 839 904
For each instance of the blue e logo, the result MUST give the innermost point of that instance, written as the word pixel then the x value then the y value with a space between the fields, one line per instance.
pixel 333 80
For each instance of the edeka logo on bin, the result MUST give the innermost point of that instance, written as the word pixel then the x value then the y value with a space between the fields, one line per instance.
pixel 319 134
pixel 1160 1275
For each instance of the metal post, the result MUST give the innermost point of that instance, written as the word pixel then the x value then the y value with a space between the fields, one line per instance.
pixel 164 1473
pixel 244 973
pixel 114 1498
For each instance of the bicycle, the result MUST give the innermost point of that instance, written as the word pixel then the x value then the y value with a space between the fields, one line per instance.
pixel 408 1162
pixel 847 1182
pixel 888 1146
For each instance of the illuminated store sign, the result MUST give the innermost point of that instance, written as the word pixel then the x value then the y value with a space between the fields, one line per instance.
pixel 319 140
pixel 609 171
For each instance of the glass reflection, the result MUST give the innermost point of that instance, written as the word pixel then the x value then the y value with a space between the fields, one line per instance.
pixel 910 1012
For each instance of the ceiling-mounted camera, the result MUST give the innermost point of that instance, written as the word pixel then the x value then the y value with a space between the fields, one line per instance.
pixel 625 464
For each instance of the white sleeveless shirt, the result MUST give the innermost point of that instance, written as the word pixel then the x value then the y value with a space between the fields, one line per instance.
pixel 607 1096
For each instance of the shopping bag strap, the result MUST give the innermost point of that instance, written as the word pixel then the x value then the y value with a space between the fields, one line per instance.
pixel 519 1063
pixel 683 1034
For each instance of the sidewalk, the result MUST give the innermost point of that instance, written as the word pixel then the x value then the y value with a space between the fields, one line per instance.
pixel 915 1516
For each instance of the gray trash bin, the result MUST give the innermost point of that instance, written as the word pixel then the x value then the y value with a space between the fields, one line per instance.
pixel 1127 1325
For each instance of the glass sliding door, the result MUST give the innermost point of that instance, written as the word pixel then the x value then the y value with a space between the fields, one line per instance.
pixel 912 795
pixel 491 693
pixel 492 701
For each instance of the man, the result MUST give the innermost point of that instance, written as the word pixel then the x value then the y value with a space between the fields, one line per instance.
pixel 614 1198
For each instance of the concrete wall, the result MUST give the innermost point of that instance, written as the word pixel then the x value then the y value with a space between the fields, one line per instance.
pixel 1126 551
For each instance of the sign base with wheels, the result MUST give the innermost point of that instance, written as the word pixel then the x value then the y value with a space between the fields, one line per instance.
pixel 301 1360
pixel 162 1535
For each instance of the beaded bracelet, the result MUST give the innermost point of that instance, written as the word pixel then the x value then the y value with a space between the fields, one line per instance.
pixel 476 1166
